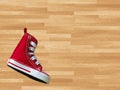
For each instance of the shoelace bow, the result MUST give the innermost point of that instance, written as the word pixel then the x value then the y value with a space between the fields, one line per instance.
pixel 31 52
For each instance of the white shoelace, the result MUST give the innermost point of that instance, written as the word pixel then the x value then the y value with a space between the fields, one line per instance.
pixel 32 49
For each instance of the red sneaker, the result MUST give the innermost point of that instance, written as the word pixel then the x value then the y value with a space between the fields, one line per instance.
pixel 24 60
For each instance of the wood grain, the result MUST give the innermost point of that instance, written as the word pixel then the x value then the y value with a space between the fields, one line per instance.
pixel 79 43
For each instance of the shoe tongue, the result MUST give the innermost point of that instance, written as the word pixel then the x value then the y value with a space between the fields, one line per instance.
pixel 33 39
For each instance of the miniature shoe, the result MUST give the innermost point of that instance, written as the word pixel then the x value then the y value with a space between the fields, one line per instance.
pixel 23 58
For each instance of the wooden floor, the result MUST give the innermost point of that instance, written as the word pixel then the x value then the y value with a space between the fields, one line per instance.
pixel 79 43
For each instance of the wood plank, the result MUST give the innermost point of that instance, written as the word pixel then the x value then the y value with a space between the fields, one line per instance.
pixel 79 43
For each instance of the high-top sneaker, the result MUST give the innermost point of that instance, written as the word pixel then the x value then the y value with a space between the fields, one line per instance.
pixel 24 60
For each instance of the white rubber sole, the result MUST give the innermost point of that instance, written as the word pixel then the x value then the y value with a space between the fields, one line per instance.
pixel 30 71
